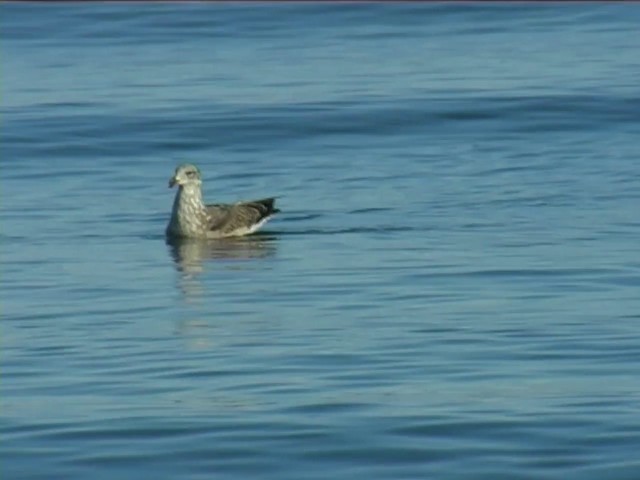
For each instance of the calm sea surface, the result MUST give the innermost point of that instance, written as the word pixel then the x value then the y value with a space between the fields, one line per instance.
pixel 452 289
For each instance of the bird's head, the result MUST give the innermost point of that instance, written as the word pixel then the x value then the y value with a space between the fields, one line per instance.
pixel 186 174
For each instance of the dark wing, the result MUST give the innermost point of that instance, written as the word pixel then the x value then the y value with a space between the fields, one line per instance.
pixel 227 218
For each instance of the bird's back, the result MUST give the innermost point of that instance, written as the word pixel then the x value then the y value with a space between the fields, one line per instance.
pixel 239 218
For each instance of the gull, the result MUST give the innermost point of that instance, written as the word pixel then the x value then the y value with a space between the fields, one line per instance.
pixel 191 218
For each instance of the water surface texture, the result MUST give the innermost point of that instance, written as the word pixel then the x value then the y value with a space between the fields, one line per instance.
pixel 452 290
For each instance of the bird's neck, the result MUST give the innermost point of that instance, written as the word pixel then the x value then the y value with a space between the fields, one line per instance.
pixel 189 199
pixel 188 202
pixel 189 215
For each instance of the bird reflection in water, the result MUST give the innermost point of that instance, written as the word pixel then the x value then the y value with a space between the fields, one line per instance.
pixel 191 256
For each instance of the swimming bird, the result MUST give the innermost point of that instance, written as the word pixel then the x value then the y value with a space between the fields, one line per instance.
pixel 191 218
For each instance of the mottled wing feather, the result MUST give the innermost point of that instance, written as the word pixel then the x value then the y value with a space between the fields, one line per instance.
pixel 218 214
pixel 227 218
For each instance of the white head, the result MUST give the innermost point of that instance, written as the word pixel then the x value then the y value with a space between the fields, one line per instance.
pixel 186 175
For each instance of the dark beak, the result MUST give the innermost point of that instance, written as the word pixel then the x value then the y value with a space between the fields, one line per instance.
pixel 172 182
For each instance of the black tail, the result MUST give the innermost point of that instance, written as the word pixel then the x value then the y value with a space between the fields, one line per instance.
pixel 269 205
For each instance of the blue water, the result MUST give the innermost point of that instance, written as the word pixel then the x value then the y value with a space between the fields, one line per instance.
pixel 451 291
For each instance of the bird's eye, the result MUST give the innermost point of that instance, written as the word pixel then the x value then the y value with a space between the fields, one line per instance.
pixel 191 173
